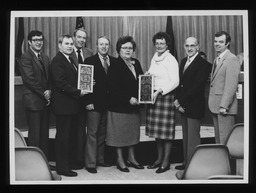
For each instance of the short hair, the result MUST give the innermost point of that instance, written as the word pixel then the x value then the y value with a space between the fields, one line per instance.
pixel 202 54
pixel 79 29
pixel 105 37
pixel 64 36
pixel 124 40
pixel 162 35
pixel 228 38
pixel 34 33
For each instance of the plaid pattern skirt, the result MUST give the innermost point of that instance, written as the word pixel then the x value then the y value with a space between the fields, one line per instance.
pixel 160 118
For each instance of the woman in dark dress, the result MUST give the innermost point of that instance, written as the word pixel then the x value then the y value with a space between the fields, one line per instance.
pixel 123 128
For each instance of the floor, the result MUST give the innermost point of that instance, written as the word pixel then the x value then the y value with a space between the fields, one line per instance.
pixel 111 175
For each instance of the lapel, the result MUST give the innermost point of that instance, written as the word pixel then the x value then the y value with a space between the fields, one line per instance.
pixel 127 69
pixel 219 65
pixel 67 63
pixel 73 55
pixel 38 64
pixel 191 64
pixel 101 68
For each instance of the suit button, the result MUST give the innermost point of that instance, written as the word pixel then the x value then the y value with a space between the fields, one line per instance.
pixel 181 85
pixel 211 85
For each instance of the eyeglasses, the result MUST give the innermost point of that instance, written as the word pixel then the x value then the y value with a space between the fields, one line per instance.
pixel 160 44
pixel 37 40
pixel 127 48
pixel 191 46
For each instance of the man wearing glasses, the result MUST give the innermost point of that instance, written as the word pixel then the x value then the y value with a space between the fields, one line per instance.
pixel 34 68
pixel 190 102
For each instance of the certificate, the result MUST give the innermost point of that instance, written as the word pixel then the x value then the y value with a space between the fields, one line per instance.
pixel 146 89
pixel 85 77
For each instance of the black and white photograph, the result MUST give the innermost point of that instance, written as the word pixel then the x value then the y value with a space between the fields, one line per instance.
pixel 129 97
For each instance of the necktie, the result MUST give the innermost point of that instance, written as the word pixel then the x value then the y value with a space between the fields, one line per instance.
pixel 105 64
pixel 215 64
pixel 186 65
pixel 72 62
pixel 42 64
pixel 80 60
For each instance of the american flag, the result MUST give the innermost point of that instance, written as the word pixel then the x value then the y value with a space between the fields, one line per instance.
pixel 79 23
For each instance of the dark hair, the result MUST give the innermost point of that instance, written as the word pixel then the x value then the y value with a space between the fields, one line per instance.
pixel 79 29
pixel 124 40
pixel 64 36
pixel 34 33
pixel 162 35
pixel 202 54
pixel 228 38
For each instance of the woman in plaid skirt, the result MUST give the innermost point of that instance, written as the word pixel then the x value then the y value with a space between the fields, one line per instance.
pixel 160 115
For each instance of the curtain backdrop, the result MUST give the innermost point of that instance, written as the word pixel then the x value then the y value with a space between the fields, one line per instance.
pixel 142 28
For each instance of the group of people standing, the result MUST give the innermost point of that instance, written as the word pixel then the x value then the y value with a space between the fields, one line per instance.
pixel 85 122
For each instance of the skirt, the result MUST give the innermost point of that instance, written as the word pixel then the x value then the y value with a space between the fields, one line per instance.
pixel 160 118
pixel 123 129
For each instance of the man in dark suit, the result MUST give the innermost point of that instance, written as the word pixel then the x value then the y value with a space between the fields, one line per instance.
pixel 97 107
pixel 224 82
pixel 79 54
pixel 65 103
pixel 34 68
pixel 190 101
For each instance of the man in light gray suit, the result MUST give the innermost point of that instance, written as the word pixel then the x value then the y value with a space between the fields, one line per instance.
pixel 224 82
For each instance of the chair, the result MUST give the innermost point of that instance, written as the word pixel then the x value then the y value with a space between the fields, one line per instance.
pixel 207 160
pixel 19 139
pixel 235 144
pixel 31 164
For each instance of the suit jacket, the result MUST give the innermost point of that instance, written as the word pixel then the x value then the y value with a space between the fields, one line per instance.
pixel 86 53
pixel 65 95
pixel 34 80
pixel 122 86
pixel 224 82
pixel 190 92
pixel 99 97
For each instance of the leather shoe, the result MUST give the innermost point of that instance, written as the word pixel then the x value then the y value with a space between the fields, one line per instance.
pixel 92 170
pixel 153 166
pixel 122 169
pixel 130 164
pixel 180 167
pixel 103 165
pixel 162 169
pixel 68 173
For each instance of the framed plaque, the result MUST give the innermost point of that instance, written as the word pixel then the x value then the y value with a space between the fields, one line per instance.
pixel 85 77
pixel 146 90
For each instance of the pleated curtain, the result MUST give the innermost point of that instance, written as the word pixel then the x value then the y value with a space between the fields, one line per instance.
pixel 142 28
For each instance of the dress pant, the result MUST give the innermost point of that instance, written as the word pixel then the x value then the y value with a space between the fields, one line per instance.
pixel 222 126
pixel 95 138
pixel 191 136
pixel 38 132
pixel 64 141
pixel 79 133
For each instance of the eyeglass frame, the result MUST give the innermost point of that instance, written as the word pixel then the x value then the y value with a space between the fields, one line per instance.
pixel 127 48
pixel 38 40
